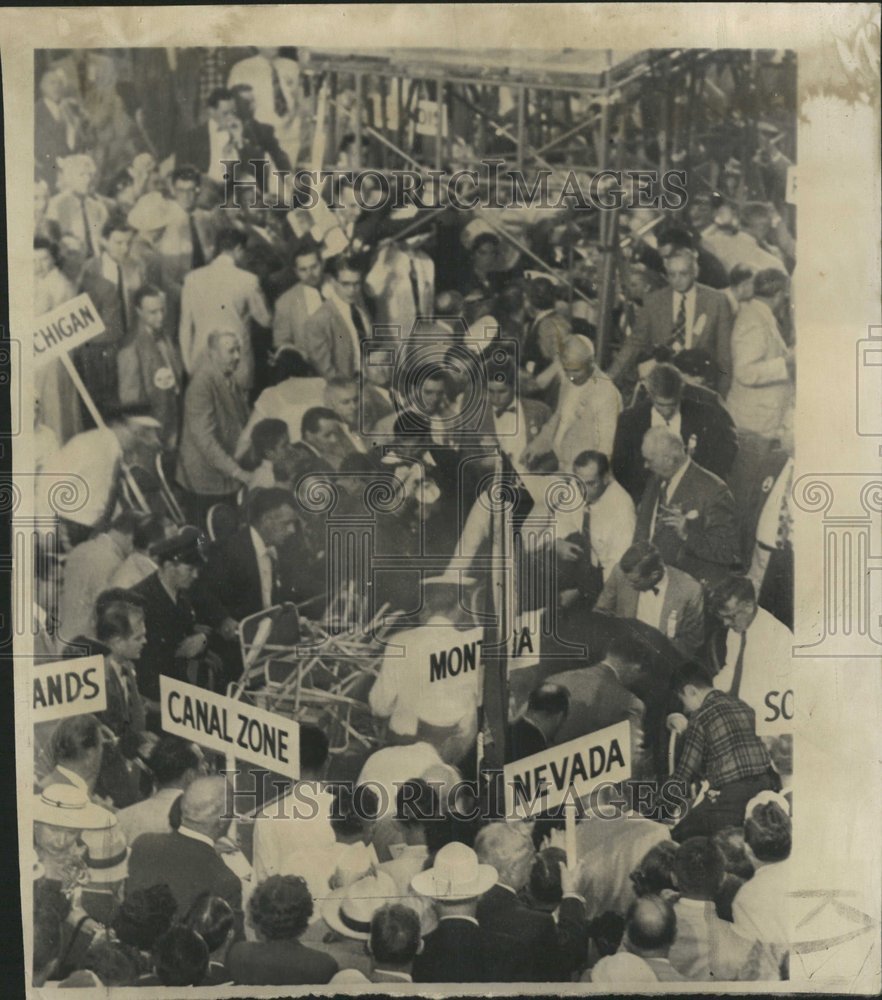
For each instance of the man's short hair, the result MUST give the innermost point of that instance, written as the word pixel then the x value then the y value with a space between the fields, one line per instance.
pixel 216 336
pixel 550 699
pixel 541 293
pixel 395 934
pixel 676 236
pixel 741 588
pixel 121 180
pixel 341 382
pixel 753 210
pixel 699 867
pixel 653 874
pixel 180 957
pixel 230 239
pixel 263 502
pixel 346 262
pixel 307 250
pixel 730 843
pixel 314 416
pixel 768 832
pixel 626 648
pixel 695 674
pixel 171 758
pixel 114 618
pixel 116 223
pixel 684 253
pixel 290 363
pixel 266 435
pixel 111 961
pixel 589 457
pixel 212 918
pixel 280 907
pixel 146 292
pixel 740 273
pixel 186 172
pixel 665 381
pixel 74 737
pixel 144 915
pixel 697 364
pixel 240 88
pixel 416 802
pixel 217 95
pixel 314 747
pixel 642 558
pixel 769 282
pixel 119 595
pixel 651 923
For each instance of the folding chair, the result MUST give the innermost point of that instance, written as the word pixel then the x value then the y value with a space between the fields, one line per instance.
pixel 221 522
pixel 167 494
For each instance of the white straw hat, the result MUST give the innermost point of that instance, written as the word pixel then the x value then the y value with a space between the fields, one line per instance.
pixel 456 875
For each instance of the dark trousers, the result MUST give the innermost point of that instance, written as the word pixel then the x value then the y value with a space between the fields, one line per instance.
pixel 727 809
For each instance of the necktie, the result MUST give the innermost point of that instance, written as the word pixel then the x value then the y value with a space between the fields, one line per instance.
pixel 414 285
pixel 280 104
pixel 358 323
pixel 121 291
pixel 198 252
pixel 739 667
pixel 785 521
pixel 87 231
pixel 586 534
pixel 678 332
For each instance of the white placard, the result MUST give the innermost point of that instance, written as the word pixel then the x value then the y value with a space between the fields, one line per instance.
pixel 68 687
pixel 230 727
pixel 64 328
pixel 526 640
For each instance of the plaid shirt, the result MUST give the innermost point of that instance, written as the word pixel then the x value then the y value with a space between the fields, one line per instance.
pixel 721 744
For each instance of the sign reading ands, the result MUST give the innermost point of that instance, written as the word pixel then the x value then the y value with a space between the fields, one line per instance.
pixel 69 687
pixel 567 772
pixel 230 727
pixel 64 328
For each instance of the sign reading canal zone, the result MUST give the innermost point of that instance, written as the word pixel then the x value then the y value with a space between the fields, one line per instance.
pixel 230 727
pixel 543 780
pixel 64 328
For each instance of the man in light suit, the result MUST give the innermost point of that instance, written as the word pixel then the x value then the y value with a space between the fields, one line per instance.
pixel 684 315
pixel 402 285
pixel 222 296
pixel 642 587
pixel 215 412
pixel 687 512
pixel 294 307
pixel 335 331
pixel 763 365
pixel 150 370
pixel 586 414
pixel 76 208
pixel 700 419
pixel 513 423
pixel 55 127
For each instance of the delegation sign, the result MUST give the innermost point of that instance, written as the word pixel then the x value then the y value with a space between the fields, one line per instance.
pixel 69 687
pixel 67 326
pixel 230 727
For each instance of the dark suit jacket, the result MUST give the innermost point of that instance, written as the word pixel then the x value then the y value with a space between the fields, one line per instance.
pixel 278 963
pixel 597 700
pixel 706 428
pixel 457 951
pixel 710 550
pixel 229 586
pixel 168 624
pixel 189 868
pixel 138 363
pixel 656 320
pixel 105 295
pixel 524 942
pixel 524 739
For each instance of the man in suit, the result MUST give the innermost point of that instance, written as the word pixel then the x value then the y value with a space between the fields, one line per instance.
pixel 333 334
pixel 149 366
pixel 527 945
pixel 222 296
pixel 215 412
pixel 186 859
pixel 600 696
pixel 707 429
pixel 77 210
pixel 251 570
pixel 55 127
pixel 217 139
pixel 511 422
pixel 536 730
pixel 294 307
pixel 76 748
pixel 110 280
pixel 587 411
pixel 642 587
pixel 258 134
pixel 275 83
pixel 762 364
pixel 683 315
pixel 321 429
pixel 687 512
pixel 459 950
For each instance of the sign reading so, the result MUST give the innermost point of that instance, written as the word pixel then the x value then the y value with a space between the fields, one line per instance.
pixel 567 772
pixel 230 727
pixel 69 687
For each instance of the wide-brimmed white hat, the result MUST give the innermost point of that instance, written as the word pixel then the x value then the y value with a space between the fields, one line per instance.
pixel 69 807
pixel 350 909
pixel 455 875
pixel 151 211
pixel 107 855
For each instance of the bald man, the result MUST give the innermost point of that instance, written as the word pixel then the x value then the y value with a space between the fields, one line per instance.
pixel 587 410
pixel 687 512
pixel 528 946
pixel 186 859
pixel 650 930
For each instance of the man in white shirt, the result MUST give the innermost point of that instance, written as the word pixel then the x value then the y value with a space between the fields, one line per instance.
pixel 587 412
pixel 594 537
pixel 760 908
pixel 515 422
pixel 222 296
pixel 275 81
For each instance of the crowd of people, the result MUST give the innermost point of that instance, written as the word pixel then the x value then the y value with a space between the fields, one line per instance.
pixel 404 362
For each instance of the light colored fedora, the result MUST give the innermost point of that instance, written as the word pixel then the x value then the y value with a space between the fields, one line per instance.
pixel 69 806
pixel 455 875
pixel 350 909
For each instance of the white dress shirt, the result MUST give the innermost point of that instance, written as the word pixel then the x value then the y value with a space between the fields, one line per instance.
pixel 673 425
pixel 185 831
pixel 650 604
pixel 222 148
pixel 673 483
pixel 613 520
pixel 265 564
pixel 761 909
pixel 511 433
pixel 690 297
pixel 285 830
pixel 593 409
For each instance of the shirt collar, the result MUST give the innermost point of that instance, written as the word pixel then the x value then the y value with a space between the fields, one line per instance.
pixel 72 777
pixel 195 835
pixel 459 916
pixel 674 481
pixel 260 547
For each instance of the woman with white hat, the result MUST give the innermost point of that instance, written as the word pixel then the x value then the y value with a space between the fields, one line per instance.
pixel 61 813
